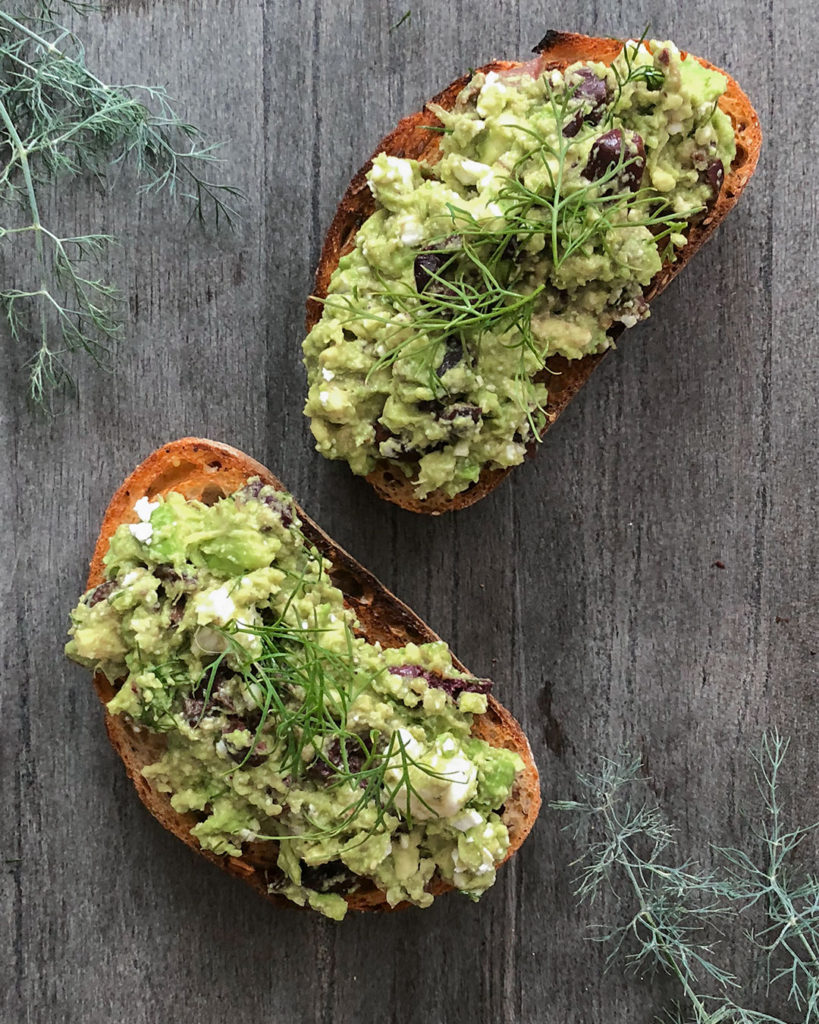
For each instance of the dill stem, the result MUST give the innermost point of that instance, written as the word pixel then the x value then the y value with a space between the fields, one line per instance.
pixel 665 949
pixel 22 156
pixel 55 51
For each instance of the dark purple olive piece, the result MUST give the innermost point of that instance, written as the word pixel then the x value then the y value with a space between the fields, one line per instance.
pixel 334 876
pixel 608 152
pixel 715 176
pixel 426 264
pixel 178 610
pixel 431 261
pixel 250 722
pixel 254 490
pixel 167 574
pixel 382 434
pixel 593 94
pixel 356 756
pixel 192 710
pixel 454 687
pixel 452 356
pixel 101 592
pixel 454 412
pixel 253 760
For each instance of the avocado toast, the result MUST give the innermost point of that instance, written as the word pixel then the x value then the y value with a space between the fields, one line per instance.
pixel 499 242
pixel 207 586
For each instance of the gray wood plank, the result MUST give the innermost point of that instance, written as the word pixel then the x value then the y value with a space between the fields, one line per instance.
pixel 585 585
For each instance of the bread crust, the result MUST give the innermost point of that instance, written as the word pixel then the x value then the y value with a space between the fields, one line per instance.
pixel 207 470
pixel 412 138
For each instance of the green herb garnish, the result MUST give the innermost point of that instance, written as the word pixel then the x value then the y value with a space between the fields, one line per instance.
pixel 482 286
pixel 676 911
pixel 303 692
pixel 647 73
pixel 60 121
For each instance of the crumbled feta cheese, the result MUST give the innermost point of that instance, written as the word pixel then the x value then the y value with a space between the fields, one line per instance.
pixel 215 606
pixel 442 794
pixel 468 172
pixel 327 374
pixel 467 819
pixel 142 531
pixel 411 230
pixel 144 508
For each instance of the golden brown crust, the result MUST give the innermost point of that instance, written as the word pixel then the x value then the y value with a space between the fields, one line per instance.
pixel 411 138
pixel 203 469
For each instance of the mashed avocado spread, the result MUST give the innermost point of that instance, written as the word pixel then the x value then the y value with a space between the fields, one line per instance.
pixel 556 201
pixel 219 626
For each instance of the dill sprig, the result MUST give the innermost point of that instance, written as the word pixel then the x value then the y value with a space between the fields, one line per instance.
pixel 675 909
pixel 303 692
pixel 634 72
pixel 482 285
pixel 59 120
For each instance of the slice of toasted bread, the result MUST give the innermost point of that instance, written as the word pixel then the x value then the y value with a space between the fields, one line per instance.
pixel 412 138
pixel 206 470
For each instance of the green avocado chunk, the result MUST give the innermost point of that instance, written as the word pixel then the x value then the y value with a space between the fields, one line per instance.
pixel 219 627
pixel 556 201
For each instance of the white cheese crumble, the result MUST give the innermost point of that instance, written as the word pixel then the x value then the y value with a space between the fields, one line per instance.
pixel 440 795
pixel 142 531
pixel 144 508
pixel 215 606
pixel 466 820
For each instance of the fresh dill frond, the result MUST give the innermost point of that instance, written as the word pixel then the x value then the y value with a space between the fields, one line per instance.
pixel 480 285
pixel 677 910
pixel 58 121
pixel 303 692
pixel 635 72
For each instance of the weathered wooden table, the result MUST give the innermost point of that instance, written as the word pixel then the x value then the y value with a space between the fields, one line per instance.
pixel 588 585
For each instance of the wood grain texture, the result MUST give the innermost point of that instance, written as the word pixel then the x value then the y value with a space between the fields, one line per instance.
pixel 585 586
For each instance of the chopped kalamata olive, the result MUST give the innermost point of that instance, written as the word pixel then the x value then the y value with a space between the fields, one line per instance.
pixel 257 754
pixel 254 490
pixel 178 609
pixel 427 264
pixel 715 175
pixel 333 876
pixel 594 94
pixel 381 433
pixel 170 578
pixel 252 760
pixel 101 592
pixel 457 411
pixel 454 687
pixel 192 710
pixel 452 356
pixel 608 152
pixel 356 756
pixel 431 261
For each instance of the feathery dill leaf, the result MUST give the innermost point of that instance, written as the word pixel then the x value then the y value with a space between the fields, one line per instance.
pixel 59 121
pixel 481 286
pixel 634 72
pixel 303 692
pixel 677 911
